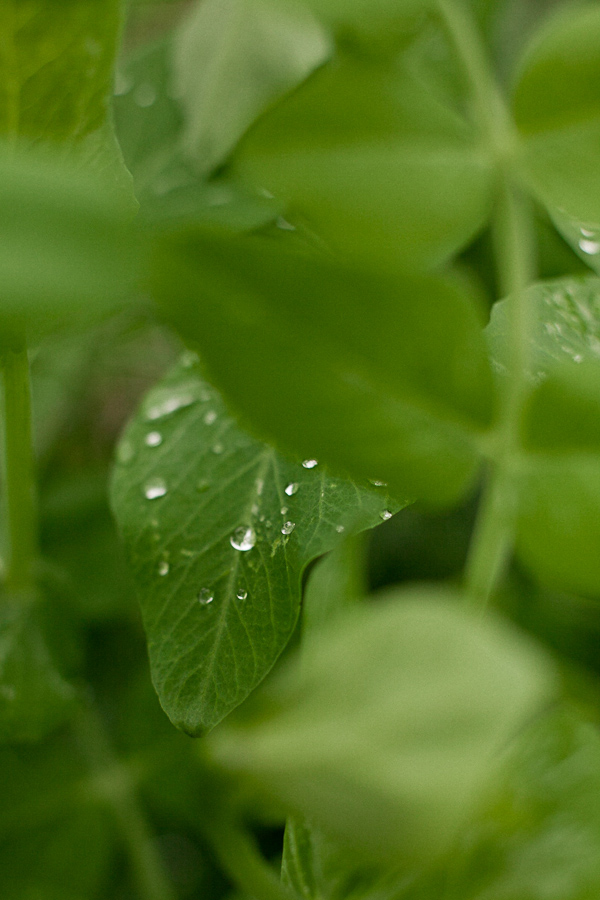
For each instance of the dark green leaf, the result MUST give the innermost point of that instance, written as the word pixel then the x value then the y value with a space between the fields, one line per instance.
pixel 390 728
pixel 381 376
pixel 374 163
pixel 191 488
pixel 233 59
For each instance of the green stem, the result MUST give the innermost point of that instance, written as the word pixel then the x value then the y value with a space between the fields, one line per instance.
pixel 19 472
pixel 113 783
pixel 241 860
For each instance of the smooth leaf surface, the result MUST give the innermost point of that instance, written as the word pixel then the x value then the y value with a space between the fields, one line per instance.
pixel 382 377
pixel 232 59
pixel 56 66
pixel 369 159
pixel 388 730
pixel 68 254
pixel 219 528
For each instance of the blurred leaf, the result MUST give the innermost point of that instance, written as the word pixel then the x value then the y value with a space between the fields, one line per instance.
pixel 388 733
pixel 34 697
pixel 56 67
pixel 219 529
pixel 381 376
pixel 562 414
pixel 336 582
pixel 232 59
pixel 374 163
pixel 68 251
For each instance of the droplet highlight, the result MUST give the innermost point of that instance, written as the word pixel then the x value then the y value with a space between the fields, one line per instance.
pixel 291 489
pixel 310 463
pixel 153 439
pixel 155 488
pixel 210 417
pixel 385 515
pixel 205 596
pixel 288 527
pixel 243 538
pixel 241 595
pixel 163 568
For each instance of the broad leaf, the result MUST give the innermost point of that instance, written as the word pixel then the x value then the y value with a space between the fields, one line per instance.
pixel 389 730
pixel 68 250
pixel 219 528
pixel 336 582
pixel 383 377
pixel 370 160
pixel 232 59
pixel 56 66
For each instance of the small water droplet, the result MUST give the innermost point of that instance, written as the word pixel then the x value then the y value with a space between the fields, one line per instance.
pixel 243 538
pixel 284 510
pixel 260 483
pixel 144 95
pixel 210 417
pixel 310 463
pixel 241 595
pixel 284 224
pixel 203 485
pixel 578 358
pixel 291 488
pixel 153 439
pixel 288 527
pixel 125 452
pixel 589 247
pixel 169 405
pixel 217 448
pixel 339 528
pixel 255 509
pixel 378 483
pixel 163 567
pixel 587 233
pixel 155 488
pixel 385 515
pixel 205 596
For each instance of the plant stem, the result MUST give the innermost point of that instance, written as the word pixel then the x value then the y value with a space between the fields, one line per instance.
pixel 113 784
pixel 19 472
pixel 241 860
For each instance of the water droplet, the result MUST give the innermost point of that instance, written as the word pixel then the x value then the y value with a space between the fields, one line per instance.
pixel 284 510
pixel 260 483
pixel 310 463
pixel 378 483
pixel 144 95
pixel 210 417
pixel 590 247
pixel 255 509
pixel 125 452
pixel 339 528
pixel 578 358
pixel 243 538
pixel 288 527
pixel 169 405
pixel 587 233
pixel 163 567
pixel 385 515
pixel 155 488
pixel 123 84
pixel 217 448
pixel 284 224
pixel 241 595
pixel 153 439
pixel 291 488
pixel 203 485
pixel 205 596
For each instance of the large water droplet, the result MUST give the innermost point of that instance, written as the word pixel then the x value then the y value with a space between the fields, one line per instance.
pixel 590 247
pixel 385 515
pixel 153 439
pixel 310 463
pixel 205 596
pixel 155 488
pixel 241 595
pixel 243 538
pixel 210 417
pixel 163 567
pixel 291 488
pixel 144 95
pixel 288 527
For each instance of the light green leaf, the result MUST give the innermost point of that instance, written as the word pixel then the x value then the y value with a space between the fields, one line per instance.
pixel 34 697
pixel 56 65
pixel 381 376
pixel 368 158
pixel 68 249
pixel 336 582
pixel 218 529
pixel 389 731
pixel 232 59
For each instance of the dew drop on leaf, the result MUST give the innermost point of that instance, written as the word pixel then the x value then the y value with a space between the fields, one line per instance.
pixel 590 247
pixel 210 417
pixel 339 529
pixel 378 483
pixel 291 488
pixel 169 405
pixel 385 515
pixel 288 527
pixel 163 567
pixel 241 595
pixel 217 448
pixel 243 538
pixel 205 596
pixel 155 488
pixel 310 463
pixel 153 439
pixel 284 510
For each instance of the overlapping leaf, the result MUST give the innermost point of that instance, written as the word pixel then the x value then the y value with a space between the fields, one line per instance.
pixel 219 528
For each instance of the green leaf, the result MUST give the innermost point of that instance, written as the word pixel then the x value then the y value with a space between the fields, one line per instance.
pixel 34 697
pixel 336 582
pixel 389 730
pixel 562 414
pixel 68 249
pixel 557 109
pixel 233 59
pixel 190 489
pixel 381 376
pixel 56 67
pixel 370 160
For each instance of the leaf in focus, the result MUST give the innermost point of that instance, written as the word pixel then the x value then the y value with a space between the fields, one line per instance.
pixel 218 529
pixel 56 66
pixel 34 697
pixel 388 732
pixel 232 59
pixel 382 377
pixel 369 159
pixel 68 247
pixel 556 104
